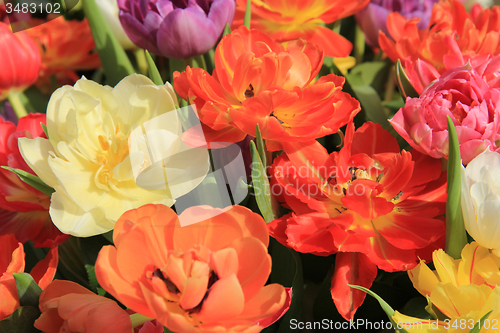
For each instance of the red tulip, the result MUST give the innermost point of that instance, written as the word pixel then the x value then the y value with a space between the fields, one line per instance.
pixel 20 59
pixel 24 211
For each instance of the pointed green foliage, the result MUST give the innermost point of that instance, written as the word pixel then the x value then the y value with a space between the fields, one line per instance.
pixel 115 61
pixel 405 87
pixel 386 307
pixel 27 289
pixel 372 105
pixel 94 284
pixel 261 148
pixel 154 74
pixel 359 44
pixel 363 79
pixel 227 30
pixel 456 237
pixel 21 320
pixel 45 130
pixel 261 186
pixel 248 14
pixel 31 180
pixel 480 323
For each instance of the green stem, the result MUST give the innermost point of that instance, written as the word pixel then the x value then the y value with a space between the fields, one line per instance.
pixel 138 319
pixel 17 104
pixel 188 62
pixel 248 14
pixel 142 64
pixel 391 85
pixel 200 61
pixel 359 45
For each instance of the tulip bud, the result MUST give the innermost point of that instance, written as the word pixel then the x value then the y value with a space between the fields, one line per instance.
pixel 20 59
pixel 481 199
pixel 177 29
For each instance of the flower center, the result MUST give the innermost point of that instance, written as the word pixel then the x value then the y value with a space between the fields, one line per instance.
pixel 114 151
pixel 185 282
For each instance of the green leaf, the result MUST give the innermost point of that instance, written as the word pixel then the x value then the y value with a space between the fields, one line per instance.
pixel 456 237
pixel 394 105
pixel 31 180
pixel 433 311
pixel 359 44
pixel 404 84
pixel 45 130
pixel 109 236
pixel 261 147
pixel 115 61
pixel 372 105
pixel 227 30
pixel 71 264
pixel 480 323
pixel 386 307
pixel 90 247
pixel 248 14
pixel 367 73
pixel 267 207
pixel 154 74
pixel 94 284
pixel 27 289
pixel 21 320
pixel 416 307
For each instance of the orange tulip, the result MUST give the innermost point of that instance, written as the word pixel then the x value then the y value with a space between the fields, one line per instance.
pixel 258 81
pixel 205 277
pixel 288 20
pixel 65 46
pixel 473 33
pixel 12 261
pixel 68 307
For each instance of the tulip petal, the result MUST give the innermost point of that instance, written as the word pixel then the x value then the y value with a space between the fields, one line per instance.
pixel 35 153
pixel 44 271
pixel 225 300
pixel 355 269
pixel 179 34
pixel 71 219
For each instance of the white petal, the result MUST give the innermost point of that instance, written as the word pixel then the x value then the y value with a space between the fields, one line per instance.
pixel 71 219
pixel 486 158
pixel 36 154
pixel 489 222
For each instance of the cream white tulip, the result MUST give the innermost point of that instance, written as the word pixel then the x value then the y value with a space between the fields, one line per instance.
pixel 111 150
pixel 481 199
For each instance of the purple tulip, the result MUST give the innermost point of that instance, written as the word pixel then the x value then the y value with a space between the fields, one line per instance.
pixel 177 29
pixel 373 17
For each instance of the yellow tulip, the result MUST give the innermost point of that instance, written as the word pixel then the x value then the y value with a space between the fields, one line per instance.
pixel 464 290
pixel 91 158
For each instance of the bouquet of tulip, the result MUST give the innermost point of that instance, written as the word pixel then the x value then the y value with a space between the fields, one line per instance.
pixel 249 165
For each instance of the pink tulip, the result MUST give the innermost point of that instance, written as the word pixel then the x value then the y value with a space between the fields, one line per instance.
pixel 470 96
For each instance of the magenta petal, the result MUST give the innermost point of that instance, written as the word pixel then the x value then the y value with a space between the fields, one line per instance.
pixel 186 33
pixel 138 33
pixel 222 12
pixel 164 7
pixel 371 19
